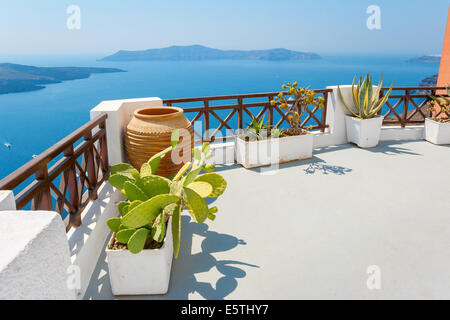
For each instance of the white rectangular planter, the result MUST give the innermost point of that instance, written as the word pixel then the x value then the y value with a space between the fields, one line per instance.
pixel 364 132
pixel 252 154
pixel 437 132
pixel 147 272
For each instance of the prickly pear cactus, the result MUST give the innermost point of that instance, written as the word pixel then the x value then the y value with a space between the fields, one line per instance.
pixel 153 199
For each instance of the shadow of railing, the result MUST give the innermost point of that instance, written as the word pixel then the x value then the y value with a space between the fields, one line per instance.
pixel 393 148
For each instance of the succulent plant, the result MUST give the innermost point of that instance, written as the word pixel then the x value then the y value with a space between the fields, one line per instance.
pixel 365 99
pixel 258 130
pixel 295 100
pixel 152 199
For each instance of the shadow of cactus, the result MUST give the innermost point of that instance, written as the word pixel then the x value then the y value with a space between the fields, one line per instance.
pixel 187 268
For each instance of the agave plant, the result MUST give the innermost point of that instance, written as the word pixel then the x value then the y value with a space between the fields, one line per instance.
pixel 365 99
pixel 256 129
pixel 152 199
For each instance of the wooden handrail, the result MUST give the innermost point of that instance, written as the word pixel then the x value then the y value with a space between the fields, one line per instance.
pixel 78 183
pixel 404 109
pixel 233 96
pixel 24 172
pixel 241 109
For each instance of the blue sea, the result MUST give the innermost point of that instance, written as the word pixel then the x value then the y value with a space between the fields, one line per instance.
pixel 33 121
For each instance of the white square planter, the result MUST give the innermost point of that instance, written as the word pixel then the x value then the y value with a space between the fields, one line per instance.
pixel 437 132
pixel 252 154
pixel 147 272
pixel 364 132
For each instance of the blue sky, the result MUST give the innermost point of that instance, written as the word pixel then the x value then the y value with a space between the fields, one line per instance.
pixel 326 26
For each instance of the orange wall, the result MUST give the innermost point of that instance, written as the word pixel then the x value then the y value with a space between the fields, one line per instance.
pixel 444 69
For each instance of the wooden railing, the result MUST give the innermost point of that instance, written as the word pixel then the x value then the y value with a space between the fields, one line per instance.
pixel 79 170
pixel 409 106
pixel 232 112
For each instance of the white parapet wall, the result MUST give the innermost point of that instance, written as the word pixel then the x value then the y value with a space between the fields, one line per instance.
pixel 398 133
pixel 86 242
pixel 7 201
pixel 35 259
pixel 336 133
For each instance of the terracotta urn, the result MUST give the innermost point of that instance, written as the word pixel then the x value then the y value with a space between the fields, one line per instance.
pixel 149 132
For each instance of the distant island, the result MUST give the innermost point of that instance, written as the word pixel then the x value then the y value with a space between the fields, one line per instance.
pixel 21 78
pixel 431 58
pixel 429 82
pixel 198 52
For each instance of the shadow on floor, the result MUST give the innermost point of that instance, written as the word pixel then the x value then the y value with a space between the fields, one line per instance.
pixel 90 218
pixel 386 147
pixel 183 278
pixel 392 148
pixel 226 167
pixel 318 165
pixel 333 148
pixel 314 164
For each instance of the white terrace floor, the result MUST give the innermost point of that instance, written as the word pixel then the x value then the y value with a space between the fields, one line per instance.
pixel 312 229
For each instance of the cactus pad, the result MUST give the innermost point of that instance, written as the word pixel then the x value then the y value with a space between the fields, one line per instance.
pixel 211 216
pixel 146 170
pixel 154 185
pixel 118 180
pixel 190 177
pixel 137 240
pixel 204 189
pixel 176 230
pixel 156 159
pixel 159 232
pixel 147 211
pixel 134 204
pixel 122 168
pixel 124 235
pixel 114 224
pixel 195 204
pixel 133 192
pixel 123 207
pixel 216 181
pixel 135 174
